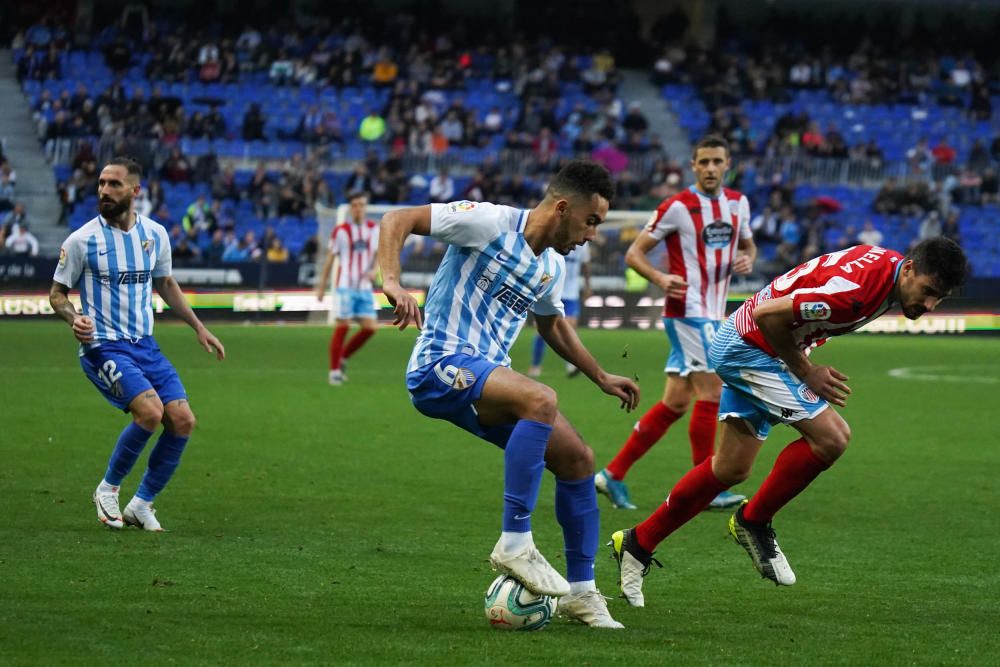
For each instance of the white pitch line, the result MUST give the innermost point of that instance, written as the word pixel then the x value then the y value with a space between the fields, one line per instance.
pixel 945 374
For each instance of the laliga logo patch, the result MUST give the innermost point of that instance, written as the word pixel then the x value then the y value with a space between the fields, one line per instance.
pixel 807 394
pixel 147 246
pixel 461 206
pixel 813 311
pixel 62 257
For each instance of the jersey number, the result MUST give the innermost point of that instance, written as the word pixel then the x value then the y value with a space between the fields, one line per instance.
pixel 782 283
pixel 109 373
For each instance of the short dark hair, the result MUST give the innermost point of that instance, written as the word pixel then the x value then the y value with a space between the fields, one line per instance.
pixel 351 196
pixel 711 141
pixel 130 164
pixel 582 177
pixel 942 258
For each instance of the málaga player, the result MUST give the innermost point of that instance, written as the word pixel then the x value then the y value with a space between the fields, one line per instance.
pixel 500 263
pixel 706 230
pixel 762 355
pixel 114 261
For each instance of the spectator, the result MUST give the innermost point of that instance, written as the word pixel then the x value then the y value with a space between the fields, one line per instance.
pixel 6 192
pixel 253 124
pixel 869 235
pixel 276 251
pixel 22 242
pixel 213 251
pixel 372 127
pixel 199 217
pixel 442 187
pixel 930 226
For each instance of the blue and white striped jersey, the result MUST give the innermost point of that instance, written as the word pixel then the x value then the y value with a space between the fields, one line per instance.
pixel 488 280
pixel 575 260
pixel 113 271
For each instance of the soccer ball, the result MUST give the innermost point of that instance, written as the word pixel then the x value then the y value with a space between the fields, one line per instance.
pixel 511 606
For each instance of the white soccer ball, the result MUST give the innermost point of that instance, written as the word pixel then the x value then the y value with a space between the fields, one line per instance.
pixel 511 606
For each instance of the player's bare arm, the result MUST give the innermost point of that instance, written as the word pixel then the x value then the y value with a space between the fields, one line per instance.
pixel 394 228
pixel 775 318
pixel 746 255
pixel 637 257
pixel 83 326
pixel 171 292
pixel 562 337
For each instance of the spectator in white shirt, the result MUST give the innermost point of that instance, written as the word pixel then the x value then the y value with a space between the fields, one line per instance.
pixel 442 187
pixel 22 242
pixel 869 235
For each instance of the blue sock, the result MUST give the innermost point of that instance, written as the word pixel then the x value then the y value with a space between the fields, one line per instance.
pixel 163 461
pixel 577 513
pixel 523 464
pixel 537 350
pixel 130 444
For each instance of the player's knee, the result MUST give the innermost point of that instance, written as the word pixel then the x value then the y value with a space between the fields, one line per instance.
pixel 180 422
pixel 148 415
pixel 833 444
pixel 678 407
pixel 731 473
pixel 540 403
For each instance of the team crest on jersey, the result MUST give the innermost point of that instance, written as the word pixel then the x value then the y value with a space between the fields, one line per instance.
pixel 807 394
pixel 717 235
pixel 814 311
pixel 734 208
pixel 461 206
pixel 147 246
pixel 62 258
pixel 546 279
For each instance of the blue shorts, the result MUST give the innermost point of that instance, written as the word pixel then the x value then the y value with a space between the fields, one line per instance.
pixel 121 370
pixel 759 388
pixel 447 388
pixel 354 303
pixel 572 307
pixel 690 338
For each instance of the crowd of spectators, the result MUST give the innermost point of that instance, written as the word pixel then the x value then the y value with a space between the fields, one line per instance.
pixel 15 236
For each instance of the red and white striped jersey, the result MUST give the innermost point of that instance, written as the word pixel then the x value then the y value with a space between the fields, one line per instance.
pixel 832 295
pixel 701 235
pixel 356 245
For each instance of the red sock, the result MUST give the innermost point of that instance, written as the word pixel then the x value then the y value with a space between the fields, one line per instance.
pixel 647 431
pixel 690 496
pixel 701 430
pixel 357 340
pixel 796 467
pixel 337 346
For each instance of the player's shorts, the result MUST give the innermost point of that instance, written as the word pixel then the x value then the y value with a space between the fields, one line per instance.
pixel 690 338
pixel 572 307
pixel 447 388
pixel 353 303
pixel 759 388
pixel 121 370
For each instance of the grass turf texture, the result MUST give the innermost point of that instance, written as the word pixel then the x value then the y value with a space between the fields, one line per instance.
pixel 317 524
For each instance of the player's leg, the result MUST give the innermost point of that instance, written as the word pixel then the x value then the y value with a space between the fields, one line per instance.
pixel 340 329
pixel 572 462
pixel 113 370
pixel 572 307
pixel 515 413
pixel 364 312
pixel 702 429
pixel 647 432
pixel 537 354
pixel 178 422
pixel 511 398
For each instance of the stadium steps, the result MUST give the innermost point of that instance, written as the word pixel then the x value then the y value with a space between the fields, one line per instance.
pixel 636 87
pixel 36 185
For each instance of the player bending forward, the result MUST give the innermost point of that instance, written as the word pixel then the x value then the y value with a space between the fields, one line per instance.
pixel 500 263
pixel 761 353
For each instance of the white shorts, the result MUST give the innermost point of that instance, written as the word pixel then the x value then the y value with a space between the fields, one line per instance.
pixel 690 339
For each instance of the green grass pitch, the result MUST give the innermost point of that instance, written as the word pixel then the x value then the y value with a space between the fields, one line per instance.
pixel 318 525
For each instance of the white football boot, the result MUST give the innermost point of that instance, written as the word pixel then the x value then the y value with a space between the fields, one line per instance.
pixel 530 568
pixel 107 507
pixel 141 515
pixel 589 607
